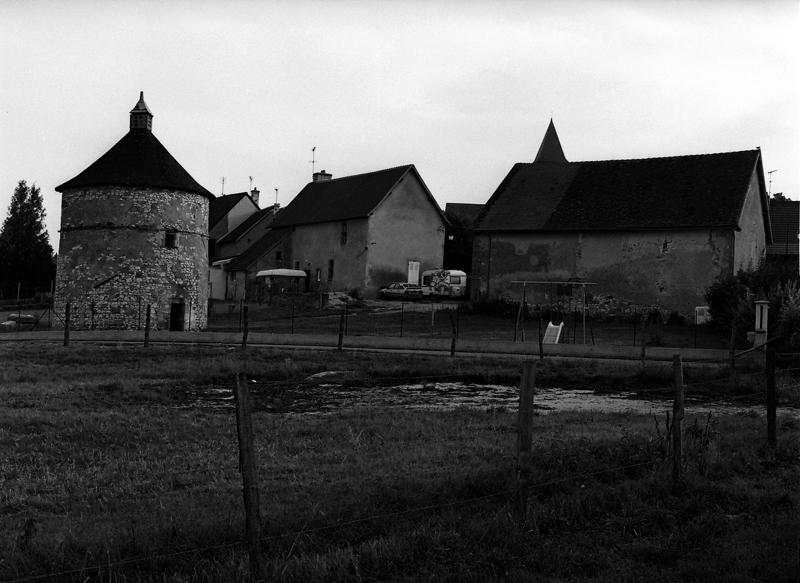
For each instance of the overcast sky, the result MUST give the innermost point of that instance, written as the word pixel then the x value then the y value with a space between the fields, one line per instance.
pixel 463 90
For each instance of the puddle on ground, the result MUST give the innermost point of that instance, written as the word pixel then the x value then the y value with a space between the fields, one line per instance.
pixel 320 398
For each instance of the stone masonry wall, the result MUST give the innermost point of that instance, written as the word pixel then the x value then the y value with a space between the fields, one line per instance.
pixel 113 260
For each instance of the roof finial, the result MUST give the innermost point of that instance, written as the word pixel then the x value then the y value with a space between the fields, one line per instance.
pixel 141 118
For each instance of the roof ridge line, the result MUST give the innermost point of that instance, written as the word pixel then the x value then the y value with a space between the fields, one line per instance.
pixel 363 174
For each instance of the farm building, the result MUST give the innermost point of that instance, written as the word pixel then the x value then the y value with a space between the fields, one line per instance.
pixel 361 232
pixel 134 231
pixel 653 231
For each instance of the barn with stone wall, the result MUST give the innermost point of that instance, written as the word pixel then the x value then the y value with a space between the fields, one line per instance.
pixel 134 232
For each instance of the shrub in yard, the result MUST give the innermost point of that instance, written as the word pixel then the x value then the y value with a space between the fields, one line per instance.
pixel 732 300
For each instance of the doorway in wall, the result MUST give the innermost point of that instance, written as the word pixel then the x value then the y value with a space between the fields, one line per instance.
pixel 177 314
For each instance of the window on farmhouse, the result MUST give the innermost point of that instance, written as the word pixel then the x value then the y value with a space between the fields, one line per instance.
pixel 278 256
pixel 171 239
pixel 330 270
pixel 344 233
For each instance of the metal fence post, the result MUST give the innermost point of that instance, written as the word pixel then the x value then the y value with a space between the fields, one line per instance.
pixel 147 327
pixel 245 326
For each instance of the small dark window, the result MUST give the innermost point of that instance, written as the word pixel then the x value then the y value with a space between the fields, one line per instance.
pixel 278 256
pixel 170 239
pixel 297 265
pixel 330 270
pixel 344 233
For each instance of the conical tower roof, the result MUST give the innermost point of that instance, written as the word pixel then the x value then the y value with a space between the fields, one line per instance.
pixel 550 150
pixel 138 159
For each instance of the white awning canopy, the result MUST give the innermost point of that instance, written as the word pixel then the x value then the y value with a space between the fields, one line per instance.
pixel 281 273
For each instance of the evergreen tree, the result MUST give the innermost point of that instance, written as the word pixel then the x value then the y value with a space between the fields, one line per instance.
pixel 26 255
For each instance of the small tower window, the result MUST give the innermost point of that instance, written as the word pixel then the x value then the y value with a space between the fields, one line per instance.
pixel 343 237
pixel 330 270
pixel 171 239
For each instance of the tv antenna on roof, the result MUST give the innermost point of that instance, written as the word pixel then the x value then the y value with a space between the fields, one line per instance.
pixel 251 183
pixel 313 159
pixel 223 186
pixel 771 172
pixel 276 196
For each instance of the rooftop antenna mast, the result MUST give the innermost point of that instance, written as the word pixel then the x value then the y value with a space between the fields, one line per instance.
pixel 223 186
pixel 771 172
pixel 276 196
pixel 313 158
pixel 251 183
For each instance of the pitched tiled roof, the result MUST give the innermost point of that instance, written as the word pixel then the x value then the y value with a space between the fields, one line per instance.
pixel 221 206
pixel 785 217
pixel 257 249
pixel 138 159
pixel 705 190
pixel 245 225
pixel 343 198
pixel 463 214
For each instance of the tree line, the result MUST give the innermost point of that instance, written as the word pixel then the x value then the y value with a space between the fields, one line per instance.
pixel 27 261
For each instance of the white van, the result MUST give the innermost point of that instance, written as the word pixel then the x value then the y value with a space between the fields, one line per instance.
pixel 444 282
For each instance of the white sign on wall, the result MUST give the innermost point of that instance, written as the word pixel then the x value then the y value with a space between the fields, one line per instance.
pixel 413 272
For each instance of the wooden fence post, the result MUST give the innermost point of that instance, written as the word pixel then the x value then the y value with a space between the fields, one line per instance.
pixel 772 437
pixel 524 437
pixel 147 327
pixel 66 324
pixel 340 342
pixel 245 328
pixel 677 418
pixel 247 467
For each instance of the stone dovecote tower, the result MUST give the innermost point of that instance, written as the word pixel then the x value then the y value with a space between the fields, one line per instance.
pixel 134 231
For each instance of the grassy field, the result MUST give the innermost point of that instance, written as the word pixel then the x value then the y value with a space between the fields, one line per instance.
pixel 113 471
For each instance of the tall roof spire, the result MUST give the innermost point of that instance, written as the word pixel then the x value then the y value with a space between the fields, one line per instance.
pixel 141 118
pixel 550 150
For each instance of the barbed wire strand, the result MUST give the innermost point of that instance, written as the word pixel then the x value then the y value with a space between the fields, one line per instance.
pixel 340 524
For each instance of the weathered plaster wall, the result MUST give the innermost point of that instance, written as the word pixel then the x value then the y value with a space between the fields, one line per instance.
pixel 667 268
pixel 113 261
pixel 314 245
pixel 751 242
pixel 405 227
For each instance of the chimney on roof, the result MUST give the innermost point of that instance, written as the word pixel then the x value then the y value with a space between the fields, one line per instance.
pixel 254 195
pixel 321 176
pixel 141 118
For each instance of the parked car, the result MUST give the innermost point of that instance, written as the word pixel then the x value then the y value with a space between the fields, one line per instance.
pixel 401 291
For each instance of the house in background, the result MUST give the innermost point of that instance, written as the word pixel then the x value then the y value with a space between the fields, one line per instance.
pixel 361 232
pixel 654 231
pixel 785 218
pixel 226 213
pixel 228 282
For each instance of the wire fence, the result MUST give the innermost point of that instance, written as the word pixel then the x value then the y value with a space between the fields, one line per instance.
pixel 504 496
